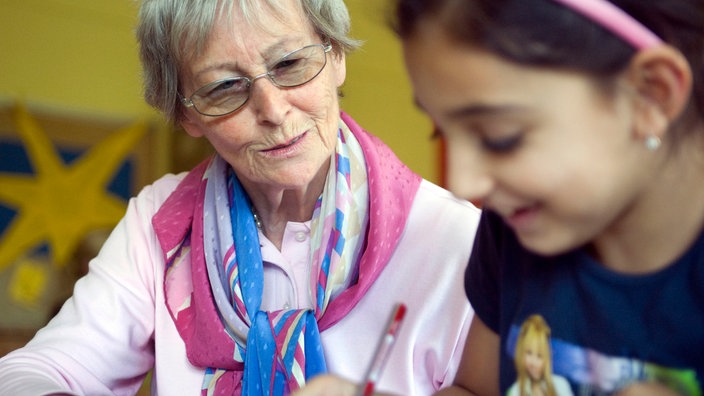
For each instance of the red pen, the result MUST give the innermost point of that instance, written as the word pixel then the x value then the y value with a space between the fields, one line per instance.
pixel 383 349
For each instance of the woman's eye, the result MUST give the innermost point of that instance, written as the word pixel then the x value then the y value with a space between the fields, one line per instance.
pixel 501 145
pixel 226 87
pixel 235 84
pixel 285 64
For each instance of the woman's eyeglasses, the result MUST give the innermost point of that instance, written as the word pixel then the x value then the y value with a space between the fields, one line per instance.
pixel 229 94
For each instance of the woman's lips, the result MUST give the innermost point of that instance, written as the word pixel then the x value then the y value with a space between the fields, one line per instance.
pixel 285 145
pixel 288 149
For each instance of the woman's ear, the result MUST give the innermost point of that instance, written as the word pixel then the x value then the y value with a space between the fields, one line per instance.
pixel 189 124
pixel 662 79
pixel 339 61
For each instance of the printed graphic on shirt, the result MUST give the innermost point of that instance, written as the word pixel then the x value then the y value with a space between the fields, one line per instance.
pixel 534 362
pixel 549 366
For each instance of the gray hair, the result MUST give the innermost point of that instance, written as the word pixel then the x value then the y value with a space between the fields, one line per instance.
pixel 171 32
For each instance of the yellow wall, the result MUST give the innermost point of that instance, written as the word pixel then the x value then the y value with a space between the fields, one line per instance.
pixel 81 56
pixel 71 54
pixel 377 92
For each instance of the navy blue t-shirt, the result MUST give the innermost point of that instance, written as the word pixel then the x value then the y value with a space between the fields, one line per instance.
pixel 607 329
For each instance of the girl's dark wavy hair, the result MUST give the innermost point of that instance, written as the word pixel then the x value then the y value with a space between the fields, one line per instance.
pixel 545 33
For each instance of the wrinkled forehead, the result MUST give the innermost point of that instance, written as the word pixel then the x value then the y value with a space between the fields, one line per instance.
pixel 235 16
pixel 265 14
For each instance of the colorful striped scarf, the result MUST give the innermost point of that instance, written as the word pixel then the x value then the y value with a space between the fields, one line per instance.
pixel 245 350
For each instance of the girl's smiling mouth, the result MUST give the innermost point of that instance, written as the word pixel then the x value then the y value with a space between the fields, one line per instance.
pixel 522 218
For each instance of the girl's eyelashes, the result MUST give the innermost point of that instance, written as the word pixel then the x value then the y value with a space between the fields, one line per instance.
pixel 503 144
pixel 498 140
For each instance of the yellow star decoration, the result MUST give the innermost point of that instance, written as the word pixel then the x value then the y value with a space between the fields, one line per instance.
pixel 59 204
pixel 28 283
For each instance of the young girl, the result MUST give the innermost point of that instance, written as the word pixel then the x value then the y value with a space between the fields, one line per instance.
pixel 578 124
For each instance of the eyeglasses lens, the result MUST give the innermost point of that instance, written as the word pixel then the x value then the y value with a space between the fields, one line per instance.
pixel 294 69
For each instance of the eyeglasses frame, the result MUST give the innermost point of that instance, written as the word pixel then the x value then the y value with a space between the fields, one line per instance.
pixel 188 102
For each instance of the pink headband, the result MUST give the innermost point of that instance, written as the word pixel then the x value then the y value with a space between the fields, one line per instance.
pixel 615 20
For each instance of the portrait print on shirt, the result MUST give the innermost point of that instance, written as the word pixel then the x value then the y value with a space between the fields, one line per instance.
pixel 533 359
pixel 548 366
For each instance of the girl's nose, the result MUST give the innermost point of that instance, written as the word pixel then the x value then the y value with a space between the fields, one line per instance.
pixel 468 175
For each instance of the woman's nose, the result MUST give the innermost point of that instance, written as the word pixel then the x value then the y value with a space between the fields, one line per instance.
pixel 268 101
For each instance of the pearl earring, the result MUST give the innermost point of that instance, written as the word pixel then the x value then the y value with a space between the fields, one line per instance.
pixel 652 142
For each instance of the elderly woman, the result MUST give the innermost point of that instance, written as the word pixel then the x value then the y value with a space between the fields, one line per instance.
pixel 280 257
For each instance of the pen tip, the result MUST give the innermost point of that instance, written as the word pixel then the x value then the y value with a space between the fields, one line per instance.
pixel 368 389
